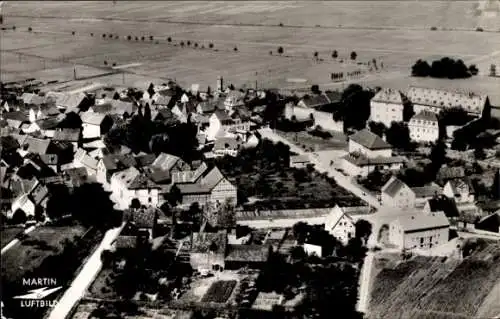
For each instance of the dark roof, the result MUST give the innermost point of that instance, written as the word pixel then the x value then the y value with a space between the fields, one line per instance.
pixel 145 160
pixel 222 143
pixel 9 143
pixel 163 100
pixel 247 253
pixel 192 188
pixel 36 145
pixel 66 134
pixel 15 116
pixel 209 242
pixel 71 101
pixel 118 161
pixel 126 242
pixel 49 159
pixel 425 116
pixel 48 123
pixel 115 107
pixel 142 217
pixel 393 186
pixel 92 118
pixel 369 140
pixel 446 173
pixel 444 204
pixel 212 178
pixel 427 191
pixel 334 96
pixel 207 106
pixel 223 116
pixel 361 160
pixel 315 100
pixel 157 175
pixel 141 181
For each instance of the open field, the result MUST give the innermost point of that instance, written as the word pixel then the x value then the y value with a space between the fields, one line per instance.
pixel 396 33
pixel 424 286
pixel 30 253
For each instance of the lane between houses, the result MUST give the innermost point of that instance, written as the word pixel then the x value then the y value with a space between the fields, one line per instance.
pixel 364 283
pixel 83 280
pixel 15 241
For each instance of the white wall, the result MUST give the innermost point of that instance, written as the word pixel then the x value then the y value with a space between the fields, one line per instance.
pixel 355 147
pixel 423 132
pixel 413 240
pixel 91 131
pixel 386 112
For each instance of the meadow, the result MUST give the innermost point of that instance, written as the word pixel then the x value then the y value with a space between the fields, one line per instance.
pixel 394 33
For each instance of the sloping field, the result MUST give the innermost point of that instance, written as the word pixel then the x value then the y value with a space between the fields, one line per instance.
pixel 434 287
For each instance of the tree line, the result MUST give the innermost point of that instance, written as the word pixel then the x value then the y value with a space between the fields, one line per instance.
pixel 443 68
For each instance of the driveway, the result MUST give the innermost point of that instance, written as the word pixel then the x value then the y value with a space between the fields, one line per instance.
pixel 364 283
pixel 83 280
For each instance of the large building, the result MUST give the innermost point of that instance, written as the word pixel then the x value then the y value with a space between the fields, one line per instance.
pixel 424 127
pixel 436 100
pixel 395 193
pixel 387 106
pixel 369 144
pixel 419 230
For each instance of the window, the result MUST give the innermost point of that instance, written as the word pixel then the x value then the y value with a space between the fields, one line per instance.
pixel 149 199
pixel 421 241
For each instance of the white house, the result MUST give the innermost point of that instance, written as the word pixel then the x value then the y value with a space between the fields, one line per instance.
pixel 217 121
pixel 395 193
pixel 129 184
pixel 435 100
pixel 460 190
pixel 369 144
pixel 424 127
pixel 95 124
pixel 419 230
pixel 340 225
pixel 387 106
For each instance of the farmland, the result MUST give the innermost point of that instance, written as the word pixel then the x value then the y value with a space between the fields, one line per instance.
pixel 425 286
pixel 394 33
pixel 219 291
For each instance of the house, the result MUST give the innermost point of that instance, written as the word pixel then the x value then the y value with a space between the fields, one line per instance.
pixel 112 163
pixel 52 161
pixel 424 127
pixel 218 120
pixel 358 164
pixel 419 230
pixel 435 100
pixel 32 99
pixel 77 176
pixel 115 107
pixel 395 193
pixel 213 187
pixel 369 144
pixel 170 163
pixel 129 184
pixel 83 159
pixel 299 161
pixel 234 98
pixel 490 223
pixel 323 101
pixel 340 225
pixel 163 115
pixel 425 193
pixel 30 202
pixel 47 126
pixel 443 204
pixel 208 251
pixel 227 146
pixel 387 106
pixel 95 125
pixel 459 189
pixel 75 102
pixel 69 135
pixel 144 218
pixel 15 119
pixel 250 256
pixel 31 144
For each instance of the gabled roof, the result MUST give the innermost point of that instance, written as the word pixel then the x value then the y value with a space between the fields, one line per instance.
pixel 15 116
pixel 470 102
pixel 388 95
pixel 9 143
pixel 141 181
pixel 71 101
pixel 67 134
pixel 35 145
pixel 165 161
pixel 393 186
pixel 424 116
pixel 443 204
pixel 92 118
pixel 420 221
pixel 299 159
pixel 446 172
pixel 335 215
pixel 198 173
pixel 427 191
pixel 213 178
pixel 247 253
pixel 315 100
pixel 115 107
pixel 207 106
pixel 38 193
pixel 118 161
pixel 157 175
pixel 145 160
pixel 223 116
pixel 164 100
pixel 32 99
pixel 460 186
pixel 49 159
pixel 127 176
pixel 223 143
pixel 49 123
pixel 77 176
pixel 369 140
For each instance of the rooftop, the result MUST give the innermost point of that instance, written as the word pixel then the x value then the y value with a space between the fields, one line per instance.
pixel 388 95
pixel 425 116
pixel 393 186
pixel 209 242
pixel 470 102
pixel 361 160
pixel 247 253
pixel 369 140
pixel 419 220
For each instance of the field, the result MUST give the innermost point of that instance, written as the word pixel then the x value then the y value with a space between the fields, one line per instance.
pixel 425 286
pixel 219 291
pixel 30 253
pixel 395 33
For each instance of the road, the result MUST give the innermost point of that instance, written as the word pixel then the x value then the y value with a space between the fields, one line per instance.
pixel 364 282
pixel 83 280
pixel 15 241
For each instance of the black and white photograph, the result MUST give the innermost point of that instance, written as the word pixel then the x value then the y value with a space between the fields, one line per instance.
pixel 250 159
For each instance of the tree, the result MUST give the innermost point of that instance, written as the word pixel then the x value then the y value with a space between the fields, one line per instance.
pixel 479 153
pixel 235 49
pixel 106 258
pixel 335 54
pixel 300 230
pixel 151 90
pixel 196 44
pixel 378 128
pixel 104 35
pixel 116 96
pixel 151 38
pixel 316 55
pixel 363 230
pixel 98 211
pixel 437 156
pixel 30 29
pixel 135 204
pixel 147 113
pixel 72 32
pixel 188 42
pixel 211 45
pixel 129 37
pixel 493 70
pixel 59 202
pixel 315 89
pixel 398 135
pixel 354 55
pixel 182 43
pixel 225 216
pixel 105 62
pixel 421 68
pixel 136 38
pixel 280 50
pixel 355 109
pixel 174 196
pixel 473 69
pixel 169 39
pixel 270 52
pixel 495 187
pixel 143 38
pixel 19 217
pixel 297 253
pixel 71 120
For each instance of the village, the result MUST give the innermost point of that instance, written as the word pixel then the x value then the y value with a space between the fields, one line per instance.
pixel 201 199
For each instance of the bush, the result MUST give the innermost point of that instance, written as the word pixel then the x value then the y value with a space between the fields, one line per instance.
pixel 434 29
pixel 211 45
pixel 13 27
pixel 114 63
pixel 105 62
pixel 30 29
pixel 151 38
pixel 479 29
pixel 103 35
pixel 169 39
pixel 235 49
pixel 91 34
pixel 72 32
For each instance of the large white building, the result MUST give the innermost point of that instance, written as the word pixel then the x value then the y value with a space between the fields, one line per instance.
pixel 340 225
pixel 422 230
pixel 424 127
pixel 435 100
pixel 129 184
pixel 387 106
